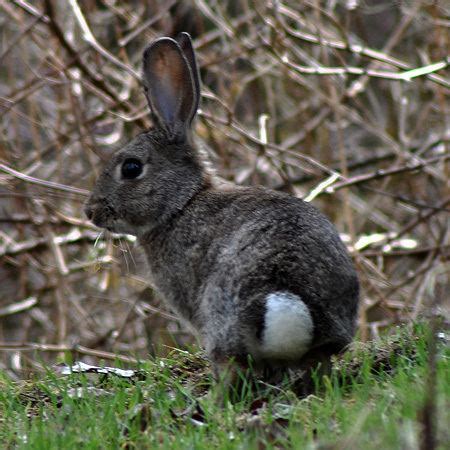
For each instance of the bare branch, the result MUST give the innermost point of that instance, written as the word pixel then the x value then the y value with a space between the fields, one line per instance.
pixel 48 184
pixel 381 173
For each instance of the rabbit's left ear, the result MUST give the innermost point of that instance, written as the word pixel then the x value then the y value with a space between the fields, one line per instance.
pixel 170 88
pixel 185 43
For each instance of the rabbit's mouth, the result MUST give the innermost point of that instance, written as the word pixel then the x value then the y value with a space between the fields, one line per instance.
pixel 102 216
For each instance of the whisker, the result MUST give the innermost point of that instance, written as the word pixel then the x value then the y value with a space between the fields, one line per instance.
pixel 98 264
pixel 124 252
pixel 100 234
pixel 130 253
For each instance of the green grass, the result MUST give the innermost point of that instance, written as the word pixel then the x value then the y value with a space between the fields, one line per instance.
pixel 376 398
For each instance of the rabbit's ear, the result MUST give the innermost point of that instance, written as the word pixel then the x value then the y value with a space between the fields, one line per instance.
pixel 169 86
pixel 185 42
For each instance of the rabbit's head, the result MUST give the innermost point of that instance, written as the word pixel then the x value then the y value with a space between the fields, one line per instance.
pixel 155 175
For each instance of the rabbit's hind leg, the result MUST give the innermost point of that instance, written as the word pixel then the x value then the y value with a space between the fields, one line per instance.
pixel 230 363
pixel 227 353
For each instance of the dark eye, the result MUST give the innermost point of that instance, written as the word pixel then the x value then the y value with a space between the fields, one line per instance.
pixel 131 168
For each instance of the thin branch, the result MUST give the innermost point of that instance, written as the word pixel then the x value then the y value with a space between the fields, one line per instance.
pixel 88 36
pixel 33 346
pixel 146 24
pixel 381 173
pixel 70 238
pixel 18 307
pixel 48 184
pixel 397 76
pixel 30 9
pixel 353 48
pixel 420 251
pixel 95 78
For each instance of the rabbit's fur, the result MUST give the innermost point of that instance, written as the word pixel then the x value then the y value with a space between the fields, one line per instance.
pixel 254 271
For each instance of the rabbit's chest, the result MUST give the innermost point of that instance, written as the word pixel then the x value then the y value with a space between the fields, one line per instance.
pixel 175 275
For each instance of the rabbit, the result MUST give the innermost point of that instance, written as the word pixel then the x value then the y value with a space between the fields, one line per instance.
pixel 260 275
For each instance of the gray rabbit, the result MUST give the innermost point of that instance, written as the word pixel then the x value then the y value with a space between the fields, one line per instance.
pixel 256 272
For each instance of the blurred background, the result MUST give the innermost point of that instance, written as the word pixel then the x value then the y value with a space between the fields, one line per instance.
pixel 342 103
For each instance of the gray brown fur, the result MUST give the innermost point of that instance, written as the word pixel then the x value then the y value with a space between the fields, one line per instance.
pixel 214 252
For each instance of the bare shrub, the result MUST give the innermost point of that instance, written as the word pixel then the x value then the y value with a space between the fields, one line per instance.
pixel 341 103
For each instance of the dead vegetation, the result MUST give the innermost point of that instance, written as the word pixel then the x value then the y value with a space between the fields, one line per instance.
pixel 341 103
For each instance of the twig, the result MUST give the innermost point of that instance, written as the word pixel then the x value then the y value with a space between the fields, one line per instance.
pixel 33 346
pixel 31 244
pixel 384 173
pixel 443 249
pixel 95 78
pixel 398 76
pixel 17 307
pixel 32 10
pixel 146 24
pixel 90 39
pixel 243 132
pixel 355 48
pixel 38 181
pixel 19 37
pixel 421 218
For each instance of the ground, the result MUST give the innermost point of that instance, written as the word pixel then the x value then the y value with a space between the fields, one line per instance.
pixel 391 394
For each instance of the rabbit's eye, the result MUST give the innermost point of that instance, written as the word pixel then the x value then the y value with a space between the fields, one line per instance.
pixel 131 168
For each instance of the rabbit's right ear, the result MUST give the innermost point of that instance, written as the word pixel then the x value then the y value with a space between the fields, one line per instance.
pixel 170 88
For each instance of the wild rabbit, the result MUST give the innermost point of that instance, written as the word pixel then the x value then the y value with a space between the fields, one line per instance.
pixel 256 272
